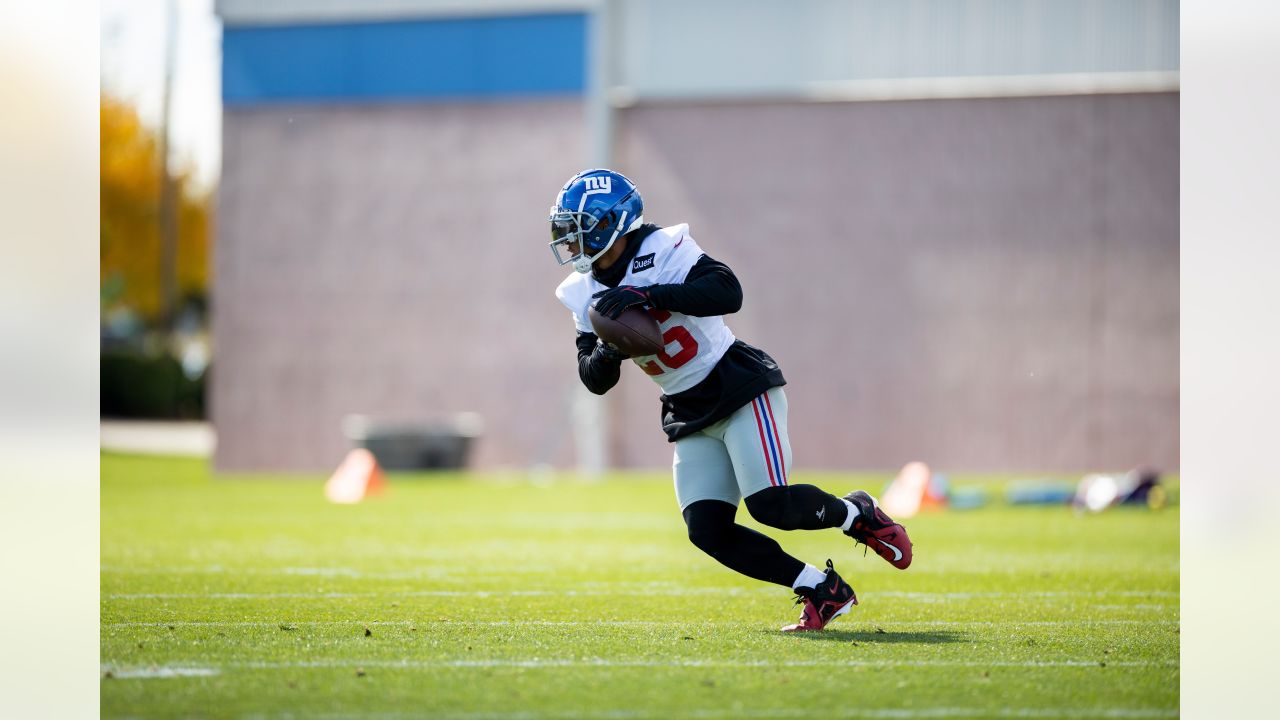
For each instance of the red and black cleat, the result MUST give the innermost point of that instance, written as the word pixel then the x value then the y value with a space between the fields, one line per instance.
pixel 878 531
pixel 829 600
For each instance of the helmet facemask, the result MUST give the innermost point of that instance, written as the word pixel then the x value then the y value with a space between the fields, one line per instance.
pixel 570 230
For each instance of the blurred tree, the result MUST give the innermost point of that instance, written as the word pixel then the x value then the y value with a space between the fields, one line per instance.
pixel 130 217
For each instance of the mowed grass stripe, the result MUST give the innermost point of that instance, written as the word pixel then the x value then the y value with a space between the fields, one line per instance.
pixel 501 600
pixel 838 712
pixel 656 592
pixel 762 607
pixel 552 663
pixel 608 623
pixel 1020 642
pixel 842 712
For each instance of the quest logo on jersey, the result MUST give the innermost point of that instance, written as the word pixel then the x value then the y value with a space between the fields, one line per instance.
pixel 644 262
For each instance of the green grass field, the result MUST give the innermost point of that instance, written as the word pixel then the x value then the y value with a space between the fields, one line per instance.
pixel 485 599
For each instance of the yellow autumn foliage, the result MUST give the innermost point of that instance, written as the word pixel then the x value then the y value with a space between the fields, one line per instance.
pixel 130 216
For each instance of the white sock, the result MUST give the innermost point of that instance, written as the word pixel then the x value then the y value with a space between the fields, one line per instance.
pixel 809 577
pixel 853 514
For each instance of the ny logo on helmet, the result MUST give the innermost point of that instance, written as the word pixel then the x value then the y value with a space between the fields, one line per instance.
pixel 599 184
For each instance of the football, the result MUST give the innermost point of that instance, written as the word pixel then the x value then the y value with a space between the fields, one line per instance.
pixel 635 332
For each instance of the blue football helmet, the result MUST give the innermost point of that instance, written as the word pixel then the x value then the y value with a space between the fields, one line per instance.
pixel 592 211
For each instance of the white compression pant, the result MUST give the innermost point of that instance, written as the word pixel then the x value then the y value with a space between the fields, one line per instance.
pixel 736 457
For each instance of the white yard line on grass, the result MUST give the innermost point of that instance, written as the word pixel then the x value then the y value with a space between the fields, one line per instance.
pixel 624 623
pixel 656 592
pixel 444 574
pixel 541 663
pixel 839 712
pixel 153 672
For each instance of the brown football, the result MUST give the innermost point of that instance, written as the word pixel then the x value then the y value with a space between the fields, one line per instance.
pixel 635 332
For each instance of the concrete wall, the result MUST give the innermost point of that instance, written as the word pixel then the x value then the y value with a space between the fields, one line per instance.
pixel 983 284
pixel 388 260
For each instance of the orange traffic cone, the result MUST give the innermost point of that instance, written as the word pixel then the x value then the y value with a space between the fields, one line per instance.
pixel 909 491
pixel 355 479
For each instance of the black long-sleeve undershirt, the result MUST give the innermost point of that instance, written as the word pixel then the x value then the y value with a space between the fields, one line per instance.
pixel 597 368
pixel 710 288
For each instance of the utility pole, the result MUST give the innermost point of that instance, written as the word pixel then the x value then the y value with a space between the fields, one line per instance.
pixel 591 414
pixel 168 193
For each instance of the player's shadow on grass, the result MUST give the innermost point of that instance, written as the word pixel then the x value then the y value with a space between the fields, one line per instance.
pixel 927 637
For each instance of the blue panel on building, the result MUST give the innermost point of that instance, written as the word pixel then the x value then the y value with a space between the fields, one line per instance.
pixel 424 59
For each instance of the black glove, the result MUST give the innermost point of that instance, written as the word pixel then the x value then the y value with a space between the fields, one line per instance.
pixel 613 301
pixel 605 351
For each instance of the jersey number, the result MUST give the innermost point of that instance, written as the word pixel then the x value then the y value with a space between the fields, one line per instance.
pixel 675 334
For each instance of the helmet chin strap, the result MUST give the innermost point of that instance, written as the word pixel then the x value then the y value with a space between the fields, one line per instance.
pixel 583 262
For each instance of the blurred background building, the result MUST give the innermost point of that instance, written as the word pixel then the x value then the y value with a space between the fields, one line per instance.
pixel 956 223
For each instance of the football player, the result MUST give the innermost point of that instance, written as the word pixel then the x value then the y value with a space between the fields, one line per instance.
pixel 722 405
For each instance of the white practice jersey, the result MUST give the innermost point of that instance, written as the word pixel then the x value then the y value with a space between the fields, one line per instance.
pixel 693 344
